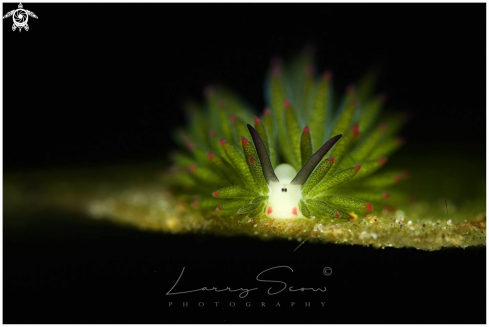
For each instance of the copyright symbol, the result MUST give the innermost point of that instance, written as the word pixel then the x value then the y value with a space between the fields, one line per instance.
pixel 327 271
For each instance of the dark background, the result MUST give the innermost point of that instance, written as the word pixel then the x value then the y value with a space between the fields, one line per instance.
pixel 104 83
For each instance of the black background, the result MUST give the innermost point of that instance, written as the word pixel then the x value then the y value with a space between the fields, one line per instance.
pixel 104 83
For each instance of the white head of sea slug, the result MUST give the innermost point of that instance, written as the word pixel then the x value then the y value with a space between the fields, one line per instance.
pixel 284 183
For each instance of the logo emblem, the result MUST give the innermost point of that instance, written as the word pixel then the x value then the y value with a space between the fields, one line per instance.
pixel 327 271
pixel 20 17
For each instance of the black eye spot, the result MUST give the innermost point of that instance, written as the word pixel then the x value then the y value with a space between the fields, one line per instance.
pixel 285 189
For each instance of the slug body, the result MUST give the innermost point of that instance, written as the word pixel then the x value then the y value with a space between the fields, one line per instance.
pixel 284 183
pixel 284 198
pixel 283 171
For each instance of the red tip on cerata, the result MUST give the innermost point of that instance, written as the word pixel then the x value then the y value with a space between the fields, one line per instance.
pixel 186 138
pixel 210 155
pixel 358 167
pixel 267 112
pixel 294 211
pixel 306 129
pixel 252 159
pixel 386 195
pixel 257 120
pixel 382 98
pixel 276 71
pixel 369 207
pixel 276 66
pixel 208 91
pixel 222 141
pixel 219 207
pixel 397 178
pixel 215 194
pixel 356 131
pixel 338 215
pixel 287 103
pixel 233 118
pixel 269 210
pixel 244 140
pixel 383 127
pixel 310 70
pixel 351 217
pixel 276 61
pixel 195 204
pixel 331 159
pixel 382 161
pixel 193 167
pixel 327 75
pixel 239 211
